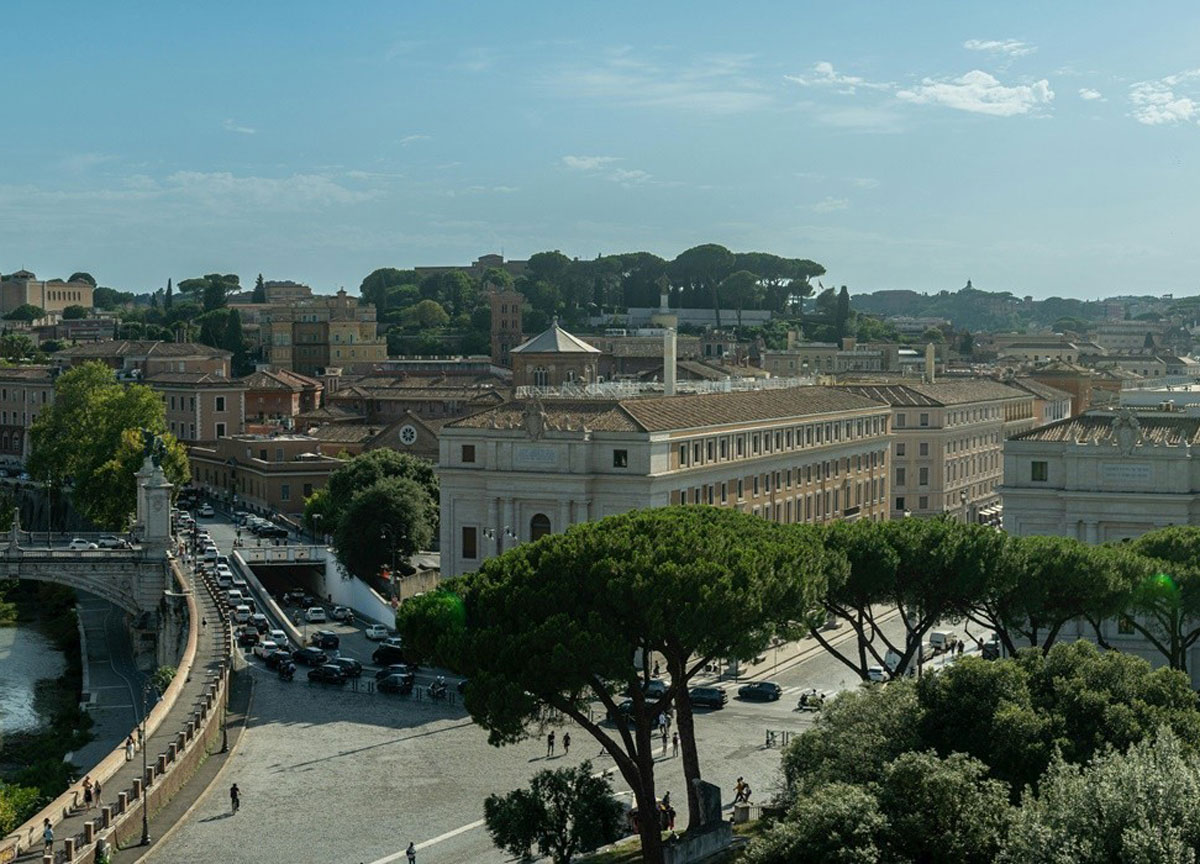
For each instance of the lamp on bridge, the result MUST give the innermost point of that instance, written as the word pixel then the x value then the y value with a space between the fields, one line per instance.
pixel 147 688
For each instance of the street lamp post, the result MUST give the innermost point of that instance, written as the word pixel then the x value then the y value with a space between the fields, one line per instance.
pixel 146 688
pixel 962 499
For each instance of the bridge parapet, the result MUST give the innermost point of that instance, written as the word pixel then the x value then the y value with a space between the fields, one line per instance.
pixel 283 554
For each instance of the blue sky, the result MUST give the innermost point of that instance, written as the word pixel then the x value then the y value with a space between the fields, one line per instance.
pixel 1036 148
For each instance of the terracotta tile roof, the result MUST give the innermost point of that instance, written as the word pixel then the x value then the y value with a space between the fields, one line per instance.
pixel 555 340
pixel 938 393
pixel 194 379
pixel 331 414
pixel 140 348
pixel 27 373
pixel 666 413
pixel 1040 390
pixel 345 433
pixel 1096 428
pixel 280 379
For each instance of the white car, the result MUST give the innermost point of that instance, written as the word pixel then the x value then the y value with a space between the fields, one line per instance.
pixel 109 541
pixel 262 649
pixel 315 615
pixel 341 613
pixel 278 637
pixel 78 544
pixel 241 614
pixel 206 510
pixel 876 674
pixel 376 632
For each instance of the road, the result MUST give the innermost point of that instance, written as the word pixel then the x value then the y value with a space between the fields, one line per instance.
pixel 329 774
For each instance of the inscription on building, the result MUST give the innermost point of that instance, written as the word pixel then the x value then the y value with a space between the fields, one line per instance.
pixel 532 456
pixel 1123 473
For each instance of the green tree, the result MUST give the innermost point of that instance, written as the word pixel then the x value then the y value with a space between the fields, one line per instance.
pixel 169 297
pixel 548 267
pixel 74 313
pixel 841 314
pixel 943 811
pixel 700 271
pixel 837 824
pixel 692 584
pixel 564 812
pixel 102 462
pixel 966 343
pixel 110 298
pixel 366 469
pixel 260 291
pixel 374 286
pixel 17 804
pixel 26 312
pixel 16 346
pixel 81 276
pixel 934 335
pixel 396 504
pixel 741 289
pixel 426 315
pixel 233 341
pixel 212 290
pixel 1164 604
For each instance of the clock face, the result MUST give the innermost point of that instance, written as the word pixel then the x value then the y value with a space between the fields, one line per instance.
pixel 408 435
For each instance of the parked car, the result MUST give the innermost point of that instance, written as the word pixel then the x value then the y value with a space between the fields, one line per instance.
pixel 402 684
pixel 654 689
pixel 110 541
pixel 708 697
pixel 341 613
pixel 350 666
pixel 78 544
pixel 327 674
pixel 394 669
pixel 375 631
pixel 325 639
pixel 310 656
pixel 760 691
pixel 315 615
pixel 265 647
pixel 210 553
pixel 239 516
pixel 941 640
pixel 206 510
pixel 386 654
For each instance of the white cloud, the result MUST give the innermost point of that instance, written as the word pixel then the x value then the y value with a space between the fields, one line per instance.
pixel 80 162
pixel 588 163
pixel 1156 103
pixel 232 126
pixel 980 93
pixel 1087 94
pixel 412 139
pixel 1008 47
pixel 830 204
pixel 864 182
pixel 715 84
pixel 824 75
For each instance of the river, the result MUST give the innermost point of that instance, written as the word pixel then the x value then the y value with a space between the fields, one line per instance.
pixel 27 656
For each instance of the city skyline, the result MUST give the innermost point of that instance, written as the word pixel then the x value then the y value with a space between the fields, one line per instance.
pixel 1032 151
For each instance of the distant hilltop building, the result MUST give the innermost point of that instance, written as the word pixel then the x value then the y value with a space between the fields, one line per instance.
pixel 23 287
pixel 480 266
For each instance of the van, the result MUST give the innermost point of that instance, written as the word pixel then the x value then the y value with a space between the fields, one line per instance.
pixel 941 640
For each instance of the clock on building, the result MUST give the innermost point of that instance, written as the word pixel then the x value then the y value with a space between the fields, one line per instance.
pixel 408 435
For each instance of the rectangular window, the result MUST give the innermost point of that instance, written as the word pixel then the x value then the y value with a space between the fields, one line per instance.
pixel 620 458
pixel 900 478
pixel 741 446
pixel 220 430
pixel 285 492
pixel 724 493
pixel 220 403
pixel 901 420
pixel 682 455
pixel 724 448
pixel 696 453
pixel 899 503
pixel 924 420
pixel 923 448
pixel 307 490
pixel 923 476
pixel 468 453
pixel 469 542
pixel 1039 472
pixel 741 490
pixel 923 502
pixel 710 450
pixel 755 487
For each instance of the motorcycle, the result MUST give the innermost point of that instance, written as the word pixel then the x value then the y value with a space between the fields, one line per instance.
pixel 811 701
pixel 287 672
pixel 437 691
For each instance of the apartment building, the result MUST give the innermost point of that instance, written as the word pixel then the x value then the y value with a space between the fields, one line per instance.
pixel 948 447
pixel 279 395
pixel 530 467
pixel 264 472
pixel 24 393
pixel 200 406
pixel 307 336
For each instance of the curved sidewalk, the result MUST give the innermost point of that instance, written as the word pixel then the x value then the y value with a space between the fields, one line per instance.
pixel 211 655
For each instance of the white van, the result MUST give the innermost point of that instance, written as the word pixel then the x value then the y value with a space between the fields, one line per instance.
pixel 941 640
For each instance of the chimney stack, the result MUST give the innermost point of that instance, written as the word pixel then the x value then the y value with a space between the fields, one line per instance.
pixel 669 361
pixel 930 363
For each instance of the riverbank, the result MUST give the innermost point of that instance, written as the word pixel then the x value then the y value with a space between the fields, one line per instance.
pixel 31 761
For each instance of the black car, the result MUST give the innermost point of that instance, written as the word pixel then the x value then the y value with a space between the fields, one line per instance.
pixel 327 673
pixel 760 691
pixel 260 622
pixel 625 709
pixel 310 656
pixel 394 669
pixel 387 654
pixel 707 697
pixel 654 689
pixel 325 639
pixel 402 684
pixel 247 637
pixel 349 665
pixel 276 657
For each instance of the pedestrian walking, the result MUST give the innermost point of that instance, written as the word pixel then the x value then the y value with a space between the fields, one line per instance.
pixel 662 723
pixel 87 793
pixel 129 749
pixel 203 623
pixel 739 791
pixel 674 744
pixel 412 854
pixel 566 743
pixel 664 740
pixel 139 738
pixel 655 668
pixel 96 793
pixel 235 797
pixel 549 745
pixel 47 836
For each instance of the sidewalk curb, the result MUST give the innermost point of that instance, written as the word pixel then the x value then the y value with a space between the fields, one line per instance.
pixel 804 655
pixel 187 814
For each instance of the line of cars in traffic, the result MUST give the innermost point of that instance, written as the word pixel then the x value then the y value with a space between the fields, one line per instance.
pixel 705 696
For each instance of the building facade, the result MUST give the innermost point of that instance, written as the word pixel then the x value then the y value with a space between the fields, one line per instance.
pixel 554 357
pixel 507 331
pixel 200 406
pixel 280 396
pixel 144 358
pixel 23 287
pixel 268 473
pixel 531 467
pixel 25 391
pixel 948 447
pixel 310 335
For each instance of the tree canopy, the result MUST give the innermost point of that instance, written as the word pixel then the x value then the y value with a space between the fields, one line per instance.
pixel 26 312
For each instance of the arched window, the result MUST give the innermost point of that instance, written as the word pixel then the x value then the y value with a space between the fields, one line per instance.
pixel 570 376
pixel 539 526
pixel 541 378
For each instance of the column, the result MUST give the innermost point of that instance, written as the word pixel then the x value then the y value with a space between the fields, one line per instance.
pixel 1092 530
pixel 564 516
pixel 508 521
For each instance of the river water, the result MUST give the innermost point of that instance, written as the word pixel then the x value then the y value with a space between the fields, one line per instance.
pixel 26 657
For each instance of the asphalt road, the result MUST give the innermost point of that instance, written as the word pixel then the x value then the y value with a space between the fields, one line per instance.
pixel 330 774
